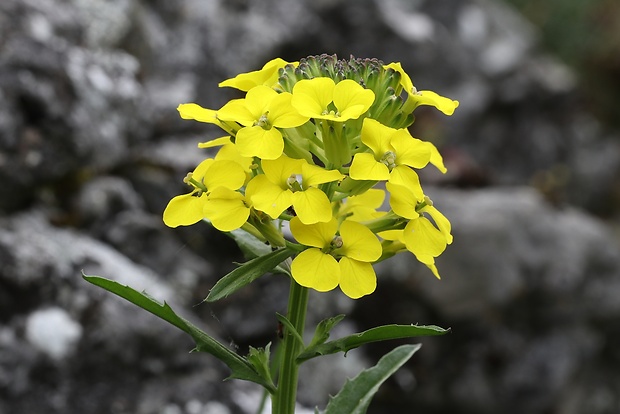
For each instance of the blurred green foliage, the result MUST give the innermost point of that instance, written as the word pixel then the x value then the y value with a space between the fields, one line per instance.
pixel 586 35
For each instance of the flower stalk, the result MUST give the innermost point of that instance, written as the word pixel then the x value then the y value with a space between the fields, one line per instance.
pixel 283 401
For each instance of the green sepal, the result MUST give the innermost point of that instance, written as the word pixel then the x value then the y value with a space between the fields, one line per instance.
pixel 321 333
pixel 240 367
pixel 356 394
pixel 259 358
pixel 247 273
pixel 380 333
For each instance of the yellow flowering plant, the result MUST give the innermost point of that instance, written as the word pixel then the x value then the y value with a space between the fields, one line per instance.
pixel 314 154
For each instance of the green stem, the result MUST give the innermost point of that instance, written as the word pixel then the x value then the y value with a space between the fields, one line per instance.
pixel 283 401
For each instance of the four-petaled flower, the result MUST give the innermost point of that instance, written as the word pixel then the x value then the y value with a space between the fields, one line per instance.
pixel 363 207
pixel 209 180
pixel 425 240
pixel 322 98
pixel 261 113
pixel 394 153
pixel 287 181
pixel 336 260
pixel 417 98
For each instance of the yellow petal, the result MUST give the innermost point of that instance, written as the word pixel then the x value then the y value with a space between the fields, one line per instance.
pixel 255 141
pixel 393 235
pixel 312 206
pixel 198 113
pixel 406 177
pixel 226 209
pixel 314 269
pixel 258 100
pixel 433 269
pixel 366 167
pixel 317 235
pixel 423 239
pixel 445 105
pixel 231 153
pixel 405 80
pixel 267 196
pixel 236 110
pixel 312 96
pixel 268 75
pixel 201 169
pixel 279 170
pixel 372 198
pixel 313 175
pixel 437 159
pixel 282 114
pixel 363 207
pixel 217 142
pixel 402 201
pixel 357 279
pixel 352 99
pixel 359 242
pixel 184 210
pixel 224 173
pixel 377 136
pixel 409 150
pixel 441 221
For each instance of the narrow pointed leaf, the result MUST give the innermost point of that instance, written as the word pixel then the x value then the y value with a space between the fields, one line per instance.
pixel 321 333
pixel 240 367
pixel 288 325
pixel 355 396
pixel 247 273
pixel 380 333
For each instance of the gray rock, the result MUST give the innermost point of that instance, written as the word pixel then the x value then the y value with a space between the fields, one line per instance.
pixel 522 289
pixel 90 140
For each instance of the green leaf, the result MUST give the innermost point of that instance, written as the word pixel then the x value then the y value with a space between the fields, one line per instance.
pixel 321 333
pixel 288 325
pixel 240 367
pixel 247 273
pixel 380 333
pixel 355 396
pixel 259 358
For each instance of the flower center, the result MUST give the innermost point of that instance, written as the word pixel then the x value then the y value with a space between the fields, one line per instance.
pixel 294 182
pixel 191 181
pixel 334 245
pixel 389 159
pixel 331 112
pixel 263 121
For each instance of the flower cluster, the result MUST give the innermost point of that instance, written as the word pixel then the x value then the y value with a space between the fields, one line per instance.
pixel 319 144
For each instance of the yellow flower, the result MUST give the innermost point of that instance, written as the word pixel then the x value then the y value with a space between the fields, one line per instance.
pixel 417 98
pixel 198 113
pixel 425 240
pixel 187 209
pixel 343 260
pixel 394 151
pixel 261 113
pixel 322 98
pixel 363 207
pixel 209 116
pixel 267 76
pixel 287 181
pixel 227 210
pixel 229 151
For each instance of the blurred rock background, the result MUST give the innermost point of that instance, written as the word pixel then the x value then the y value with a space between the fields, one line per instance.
pixel 91 150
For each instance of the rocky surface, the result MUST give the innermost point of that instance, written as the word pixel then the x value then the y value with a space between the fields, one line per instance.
pixel 91 150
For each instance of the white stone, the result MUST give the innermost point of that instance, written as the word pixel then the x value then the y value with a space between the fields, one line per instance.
pixel 53 332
